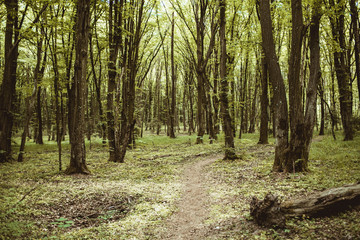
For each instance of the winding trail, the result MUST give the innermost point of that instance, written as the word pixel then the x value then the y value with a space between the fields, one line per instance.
pixel 187 222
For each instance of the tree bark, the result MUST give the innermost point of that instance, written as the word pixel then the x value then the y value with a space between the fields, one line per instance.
pixel 7 89
pixel 38 75
pixel 278 86
pixel 355 25
pixel 342 70
pixel 30 104
pixel 264 99
pixel 295 161
pixel 132 45
pixel 77 96
pixel 200 12
pixel 228 130
pixel 98 79
pixel 271 213
pixel 115 20
pixel 173 83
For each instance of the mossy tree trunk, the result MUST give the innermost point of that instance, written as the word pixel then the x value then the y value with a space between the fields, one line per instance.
pixel 228 129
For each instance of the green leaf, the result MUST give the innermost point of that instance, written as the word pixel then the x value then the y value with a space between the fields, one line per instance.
pixel 61 219
pixel 65 225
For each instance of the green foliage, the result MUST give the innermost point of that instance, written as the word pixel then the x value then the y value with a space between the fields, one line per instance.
pixel 63 222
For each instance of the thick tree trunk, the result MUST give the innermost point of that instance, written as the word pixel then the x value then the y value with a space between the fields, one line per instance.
pixel 278 86
pixel 228 130
pixel 7 89
pixel 271 213
pixel 77 92
pixel 115 20
pixel 295 161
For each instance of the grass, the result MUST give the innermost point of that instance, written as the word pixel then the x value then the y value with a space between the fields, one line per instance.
pixel 134 199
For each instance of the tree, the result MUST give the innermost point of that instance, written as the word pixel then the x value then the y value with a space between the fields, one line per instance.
pixel 355 28
pixel 77 95
pixel 228 130
pixel 173 82
pixel 115 35
pixel 264 103
pixel 277 83
pixel 293 156
pixel 7 91
pixel 342 68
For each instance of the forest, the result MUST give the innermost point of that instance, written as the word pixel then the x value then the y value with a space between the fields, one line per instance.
pixel 170 119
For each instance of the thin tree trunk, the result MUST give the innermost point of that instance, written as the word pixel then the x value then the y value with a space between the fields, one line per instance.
pixel 264 119
pixel 39 72
pixel 30 104
pixel 173 83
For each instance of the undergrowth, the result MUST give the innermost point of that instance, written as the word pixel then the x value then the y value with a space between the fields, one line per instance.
pixel 133 200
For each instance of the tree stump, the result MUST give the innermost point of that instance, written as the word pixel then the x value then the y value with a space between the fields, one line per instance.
pixel 271 213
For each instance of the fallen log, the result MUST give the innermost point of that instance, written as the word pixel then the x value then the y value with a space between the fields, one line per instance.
pixel 270 212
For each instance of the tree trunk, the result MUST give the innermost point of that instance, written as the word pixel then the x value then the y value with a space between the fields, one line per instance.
pixel 295 161
pixel 264 119
pixel 322 109
pixel 253 108
pixel 342 70
pixel 29 103
pixel 215 98
pixel 271 213
pixel 200 11
pixel 278 86
pixel 128 87
pixel 7 89
pixel 38 75
pixel 355 26
pixel 228 130
pixel 77 91
pixel 97 82
pixel 115 19
pixel 173 83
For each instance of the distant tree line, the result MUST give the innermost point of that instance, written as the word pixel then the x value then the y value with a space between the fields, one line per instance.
pixel 115 69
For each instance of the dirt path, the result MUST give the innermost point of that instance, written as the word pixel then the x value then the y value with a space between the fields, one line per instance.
pixel 187 222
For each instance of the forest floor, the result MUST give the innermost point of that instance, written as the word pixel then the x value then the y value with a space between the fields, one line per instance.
pixel 170 189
